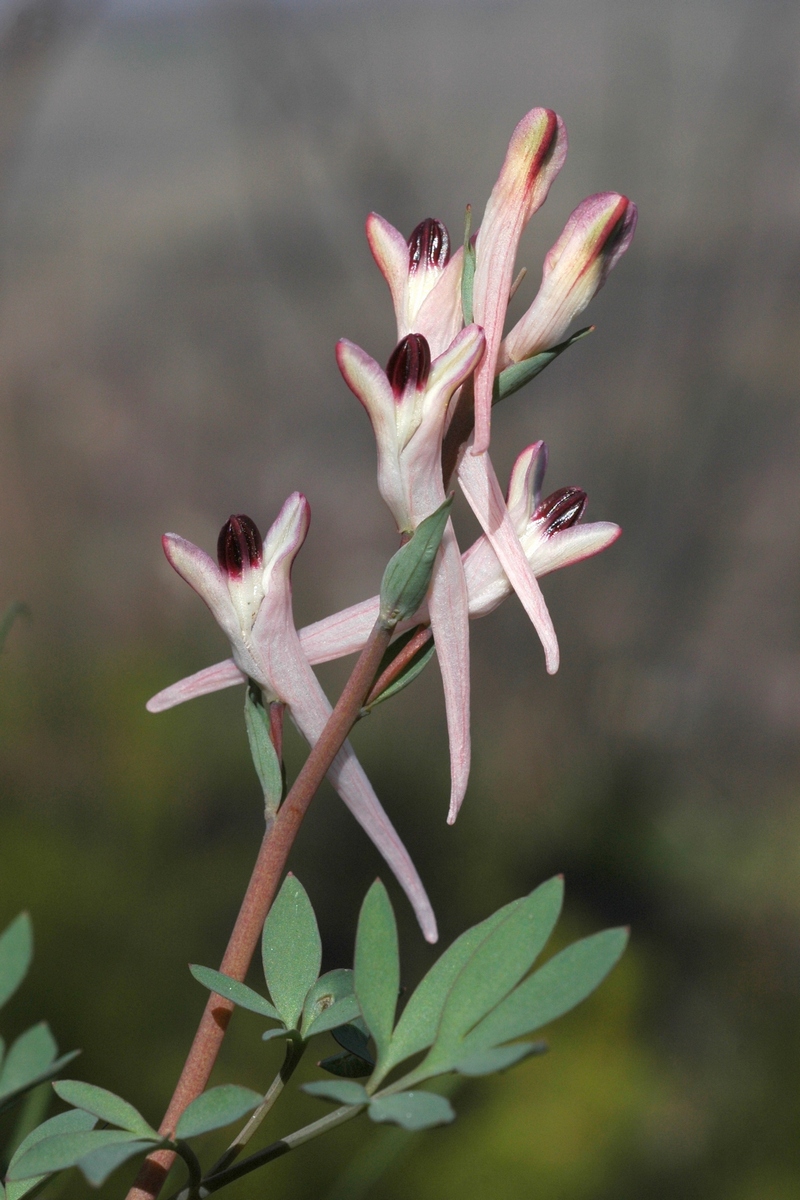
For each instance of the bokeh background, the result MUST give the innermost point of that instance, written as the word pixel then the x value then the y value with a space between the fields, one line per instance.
pixel 182 196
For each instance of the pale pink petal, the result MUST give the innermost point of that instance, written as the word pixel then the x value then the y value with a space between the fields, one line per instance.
pixel 202 573
pixel 210 679
pixel 449 614
pixel 439 318
pixel 368 382
pixel 343 633
pixel 390 251
pixel 525 484
pixel 535 155
pixel 571 545
pixel 479 484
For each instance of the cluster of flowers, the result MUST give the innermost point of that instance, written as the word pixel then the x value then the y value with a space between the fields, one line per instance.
pixel 449 365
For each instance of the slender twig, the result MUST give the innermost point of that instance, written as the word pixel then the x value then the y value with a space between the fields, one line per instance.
pixel 399 663
pixel 261 890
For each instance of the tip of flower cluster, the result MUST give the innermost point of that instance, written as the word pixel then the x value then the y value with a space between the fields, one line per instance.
pixel 409 365
pixel 429 245
pixel 239 545
pixel 561 509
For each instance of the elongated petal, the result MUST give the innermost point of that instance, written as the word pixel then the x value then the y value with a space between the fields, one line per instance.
pixel 202 573
pixel 479 484
pixel 449 613
pixel 525 484
pixel 368 383
pixel 211 679
pixel 595 237
pixel 535 155
pixel 439 317
pixel 390 251
pixel 571 545
pixel 343 633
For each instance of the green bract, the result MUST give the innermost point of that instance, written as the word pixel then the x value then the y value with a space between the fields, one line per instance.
pixel 408 572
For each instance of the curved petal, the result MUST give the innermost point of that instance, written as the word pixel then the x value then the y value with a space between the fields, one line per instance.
pixel 390 251
pixel 449 613
pixel 368 383
pixel 211 679
pixel 202 573
pixel 525 484
pixel 535 155
pixel 572 545
pixel 479 485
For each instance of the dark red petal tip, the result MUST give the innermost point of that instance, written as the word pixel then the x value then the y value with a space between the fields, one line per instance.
pixel 561 509
pixel 409 365
pixel 239 545
pixel 429 245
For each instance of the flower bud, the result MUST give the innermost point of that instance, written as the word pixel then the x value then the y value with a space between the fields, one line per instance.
pixel 409 365
pixel 560 510
pixel 239 546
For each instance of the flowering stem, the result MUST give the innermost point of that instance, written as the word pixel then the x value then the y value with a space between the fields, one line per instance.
pixel 261 890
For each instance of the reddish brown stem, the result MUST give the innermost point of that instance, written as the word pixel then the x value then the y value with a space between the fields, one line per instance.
pixel 399 663
pixel 266 876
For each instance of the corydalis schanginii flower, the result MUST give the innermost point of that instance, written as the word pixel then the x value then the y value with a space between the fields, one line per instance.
pixel 550 533
pixel 407 405
pixel 249 594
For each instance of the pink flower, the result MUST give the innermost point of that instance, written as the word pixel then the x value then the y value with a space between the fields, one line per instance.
pixel 249 594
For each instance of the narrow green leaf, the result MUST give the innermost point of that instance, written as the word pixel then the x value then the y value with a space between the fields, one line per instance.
pixel 30 1054
pixel 65 1150
pixel 408 572
pixel 291 950
pixel 412 1110
pixel 16 952
pixel 105 1105
pixel 265 760
pixel 67 1122
pixel 499 1058
pixel 497 965
pixel 412 669
pixel 377 965
pixel 215 1108
pixel 9 1098
pixel 231 989
pixel 98 1165
pixel 419 1021
pixel 339 1091
pixel 518 374
pixel 563 982
pixel 329 988
pixel 269 1035
pixel 468 268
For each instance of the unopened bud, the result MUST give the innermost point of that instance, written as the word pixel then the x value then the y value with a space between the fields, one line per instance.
pixel 409 365
pixel 239 546
pixel 561 510
pixel 429 245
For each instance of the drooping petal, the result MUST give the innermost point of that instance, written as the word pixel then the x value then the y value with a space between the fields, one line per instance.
pixel 594 238
pixel 535 155
pixel 448 606
pixel 479 484
pixel 211 679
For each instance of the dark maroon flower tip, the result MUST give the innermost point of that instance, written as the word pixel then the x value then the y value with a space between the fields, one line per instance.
pixel 409 365
pixel 239 545
pixel 429 245
pixel 561 510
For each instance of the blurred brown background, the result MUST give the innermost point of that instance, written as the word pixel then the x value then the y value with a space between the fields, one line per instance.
pixel 181 242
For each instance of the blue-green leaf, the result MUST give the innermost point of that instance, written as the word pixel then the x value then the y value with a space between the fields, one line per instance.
pixel 99 1164
pixel 410 671
pixel 499 1058
pixel 408 572
pixel 291 950
pixel 563 982
pixel 30 1054
pixel 518 374
pixel 412 1110
pixel 231 989
pixel 419 1021
pixel 468 268
pixel 339 1013
pixel 104 1104
pixel 377 965
pixel 327 991
pixel 16 952
pixel 65 1150
pixel 265 760
pixel 339 1091
pixel 215 1108
pixel 68 1122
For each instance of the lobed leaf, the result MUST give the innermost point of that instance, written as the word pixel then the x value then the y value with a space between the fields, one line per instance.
pixel 339 1013
pixel 377 965
pixel 67 1122
pixel 16 952
pixel 104 1104
pixel 241 995
pixel 291 950
pixel 215 1108
pixel 339 1091
pixel 558 986
pixel 412 1110
pixel 327 991
pixel 65 1150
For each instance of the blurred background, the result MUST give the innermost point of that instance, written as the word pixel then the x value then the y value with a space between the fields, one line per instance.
pixel 183 188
